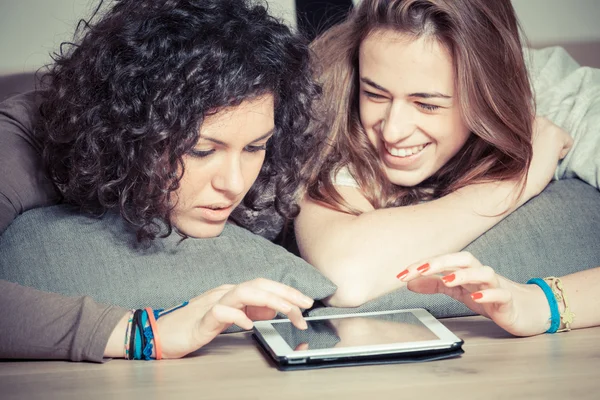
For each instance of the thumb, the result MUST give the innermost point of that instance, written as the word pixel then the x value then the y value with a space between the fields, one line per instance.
pixel 256 313
pixel 426 285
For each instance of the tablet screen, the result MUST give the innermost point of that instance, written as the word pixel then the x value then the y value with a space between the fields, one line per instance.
pixel 356 331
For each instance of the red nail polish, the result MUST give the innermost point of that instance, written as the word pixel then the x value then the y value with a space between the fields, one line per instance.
pixel 476 295
pixel 449 278
pixel 423 267
pixel 401 274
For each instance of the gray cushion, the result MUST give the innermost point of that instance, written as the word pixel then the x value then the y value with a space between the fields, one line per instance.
pixel 556 233
pixel 56 250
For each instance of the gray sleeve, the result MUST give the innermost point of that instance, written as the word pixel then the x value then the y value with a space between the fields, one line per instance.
pixel 40 325
pixel 23 184
pixel 569 95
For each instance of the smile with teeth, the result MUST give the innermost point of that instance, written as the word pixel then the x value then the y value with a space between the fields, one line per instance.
pixel 405 151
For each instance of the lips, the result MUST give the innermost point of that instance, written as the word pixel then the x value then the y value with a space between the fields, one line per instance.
pixel 405 151
pixel 403 157
pixel 216 212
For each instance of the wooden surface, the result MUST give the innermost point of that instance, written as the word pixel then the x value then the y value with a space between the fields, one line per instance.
pixel 494 366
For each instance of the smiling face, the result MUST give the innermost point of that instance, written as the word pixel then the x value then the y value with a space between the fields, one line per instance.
pixel 408 106
pixel 222 166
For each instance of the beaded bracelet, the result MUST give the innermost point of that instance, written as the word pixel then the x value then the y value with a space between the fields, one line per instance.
pixel 127 333
pixel 554 314
pixel 141 335
pixel 567 316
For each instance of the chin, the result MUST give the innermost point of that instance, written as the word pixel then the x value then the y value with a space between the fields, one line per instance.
pixel 404 178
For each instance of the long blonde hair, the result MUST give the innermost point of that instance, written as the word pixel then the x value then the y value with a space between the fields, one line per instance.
pixel 492 86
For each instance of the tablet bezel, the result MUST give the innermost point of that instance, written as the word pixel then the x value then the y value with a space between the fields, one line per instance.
pixel 284 353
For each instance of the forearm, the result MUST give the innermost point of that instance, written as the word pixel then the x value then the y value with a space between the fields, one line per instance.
pixel 360 254
pixel 40 325
pixel 583 294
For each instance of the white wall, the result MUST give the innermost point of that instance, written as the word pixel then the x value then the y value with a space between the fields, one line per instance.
pixel 31 29
pixel 559 21
pixel 285 9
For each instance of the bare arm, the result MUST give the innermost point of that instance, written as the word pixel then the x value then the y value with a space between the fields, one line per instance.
pixel 360 253
pixel 584 297
pixel 522 310
pixel 40 325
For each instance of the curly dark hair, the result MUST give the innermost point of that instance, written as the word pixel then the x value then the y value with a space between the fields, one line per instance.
pixel 124 102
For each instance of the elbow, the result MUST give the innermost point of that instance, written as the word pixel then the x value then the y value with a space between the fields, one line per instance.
pixel 347 296
pixel 354 286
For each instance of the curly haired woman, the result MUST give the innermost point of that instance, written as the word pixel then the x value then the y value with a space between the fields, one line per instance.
pixel 168 113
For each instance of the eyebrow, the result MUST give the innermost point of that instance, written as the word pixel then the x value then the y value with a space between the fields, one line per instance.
pixel 417 94
pixel 258 139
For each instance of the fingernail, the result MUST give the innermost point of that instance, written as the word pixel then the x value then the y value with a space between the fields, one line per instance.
pixel 476 295
pixel 449 278
pixel 401 274
pixel 423 267
pixel 304 324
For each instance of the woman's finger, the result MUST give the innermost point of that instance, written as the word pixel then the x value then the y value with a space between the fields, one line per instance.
pixel 435 285
pixel 212 296
pixel 216 320
pixel 484 277
pixel 250 295
pixel 260 313
pixel 440 264
pixel 496 295
pixel 426 285
pixel 288 293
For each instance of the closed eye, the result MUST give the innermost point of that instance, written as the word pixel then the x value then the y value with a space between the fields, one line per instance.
pixel 428 107
pixel 201 153
pixel 254 149
pixel 374 96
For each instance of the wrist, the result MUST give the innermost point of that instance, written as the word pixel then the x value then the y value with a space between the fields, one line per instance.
pixel 542 318
pixel 497 198
pixel 114 346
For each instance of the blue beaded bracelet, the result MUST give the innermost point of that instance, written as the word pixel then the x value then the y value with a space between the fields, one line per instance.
pixel 554 313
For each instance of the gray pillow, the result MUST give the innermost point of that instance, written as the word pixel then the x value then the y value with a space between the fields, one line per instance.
pixel 556 233
pixel 57 250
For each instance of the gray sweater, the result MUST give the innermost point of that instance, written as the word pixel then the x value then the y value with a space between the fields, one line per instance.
pixel 569 95
pixel 35 324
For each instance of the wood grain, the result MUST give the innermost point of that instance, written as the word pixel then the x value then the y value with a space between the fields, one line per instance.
pixel 494 366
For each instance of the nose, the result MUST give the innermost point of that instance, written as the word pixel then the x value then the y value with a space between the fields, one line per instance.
pixel 398 123
pixel 229 179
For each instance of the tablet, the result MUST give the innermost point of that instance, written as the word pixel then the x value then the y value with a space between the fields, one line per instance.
pixel 364 338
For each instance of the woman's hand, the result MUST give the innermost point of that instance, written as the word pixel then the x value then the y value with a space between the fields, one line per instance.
pixel 550 145
pixel 188 328
pixel 522 310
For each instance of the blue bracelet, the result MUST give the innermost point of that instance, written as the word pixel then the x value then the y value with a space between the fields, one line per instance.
pixel 554 313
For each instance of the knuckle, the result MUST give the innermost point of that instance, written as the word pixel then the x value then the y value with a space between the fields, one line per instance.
pixel 225 287
pixel 488 272
pixel 242 291
pixel 468 257
pixel 261 281
pixel 217 311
